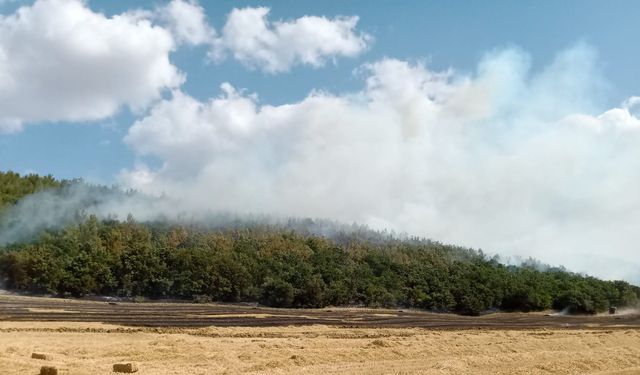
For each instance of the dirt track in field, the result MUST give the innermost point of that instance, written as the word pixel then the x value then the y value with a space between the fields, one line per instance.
pixel 152 314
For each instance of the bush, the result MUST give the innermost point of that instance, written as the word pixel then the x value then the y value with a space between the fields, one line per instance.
pixel 201 298
pixel 277 293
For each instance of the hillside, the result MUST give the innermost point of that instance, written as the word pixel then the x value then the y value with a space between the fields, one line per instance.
pixel 14 186
pixel 286 266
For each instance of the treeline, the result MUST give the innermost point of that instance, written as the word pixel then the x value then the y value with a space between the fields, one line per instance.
pixel 14 186
pixel 283 268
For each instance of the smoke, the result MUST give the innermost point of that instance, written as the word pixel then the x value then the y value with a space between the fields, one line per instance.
pixel 518 162
pixel 515 161
pixel 624 312
pixel 56 209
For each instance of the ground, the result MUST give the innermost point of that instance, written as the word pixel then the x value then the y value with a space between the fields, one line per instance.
pixel 89 337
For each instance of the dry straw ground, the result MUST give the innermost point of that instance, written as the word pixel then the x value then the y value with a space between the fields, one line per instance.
pixel 92 348
pixel 212 339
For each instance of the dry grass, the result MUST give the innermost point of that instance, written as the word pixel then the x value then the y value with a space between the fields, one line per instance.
pixel 91 348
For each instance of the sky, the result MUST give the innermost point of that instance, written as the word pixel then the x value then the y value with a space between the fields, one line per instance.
pixel 510 126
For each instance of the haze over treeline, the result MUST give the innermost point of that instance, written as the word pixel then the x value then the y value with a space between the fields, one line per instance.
pixel 294 263
pixel 518 140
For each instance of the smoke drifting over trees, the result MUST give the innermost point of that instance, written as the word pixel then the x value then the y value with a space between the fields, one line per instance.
pixel 523 162
pixel 522 158
pixel 50 244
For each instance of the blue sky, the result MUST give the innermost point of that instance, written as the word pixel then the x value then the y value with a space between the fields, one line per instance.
pixel 513 126
pixel 444 33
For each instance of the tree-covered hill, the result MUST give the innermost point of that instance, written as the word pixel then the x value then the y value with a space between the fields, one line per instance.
pixel 299 263
pixel 282 268
pixel 14 186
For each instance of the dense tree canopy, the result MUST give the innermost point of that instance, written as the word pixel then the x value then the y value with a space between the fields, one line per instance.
pixel 284 266
pixel 14 186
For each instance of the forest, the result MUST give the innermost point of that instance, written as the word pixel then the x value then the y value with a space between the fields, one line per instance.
pixel 13 186
pixel 282 267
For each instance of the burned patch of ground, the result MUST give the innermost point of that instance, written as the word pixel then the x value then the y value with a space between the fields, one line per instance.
pixel 156 314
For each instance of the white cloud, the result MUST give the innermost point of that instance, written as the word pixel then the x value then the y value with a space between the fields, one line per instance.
pixel 60 61
pixel 277 46
pixel 187 21
pixel 516 162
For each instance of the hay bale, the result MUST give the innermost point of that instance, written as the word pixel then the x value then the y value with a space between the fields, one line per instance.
pixel 50 370
pixel 125 367
pixel 43 356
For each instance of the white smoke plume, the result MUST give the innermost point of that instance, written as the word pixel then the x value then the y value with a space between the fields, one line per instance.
pixel 57 209
pixel 518 162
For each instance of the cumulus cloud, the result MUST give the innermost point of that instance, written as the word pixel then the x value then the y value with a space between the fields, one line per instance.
pixel 517 162
pixel 187 22
pixel 275 47
pixel 61 61
pixel 256 42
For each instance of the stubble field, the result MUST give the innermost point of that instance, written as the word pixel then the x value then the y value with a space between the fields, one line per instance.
pixel 164 338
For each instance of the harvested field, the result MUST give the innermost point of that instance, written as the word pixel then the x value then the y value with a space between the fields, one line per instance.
pixel 188 315
pixel 354 341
